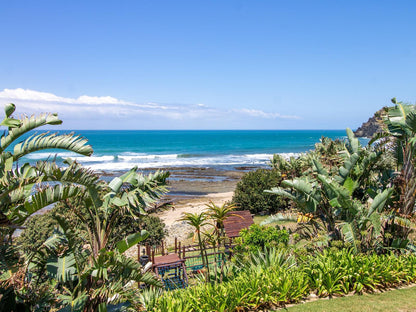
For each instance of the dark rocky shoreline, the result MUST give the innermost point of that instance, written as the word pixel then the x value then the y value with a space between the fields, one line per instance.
pixel 193 182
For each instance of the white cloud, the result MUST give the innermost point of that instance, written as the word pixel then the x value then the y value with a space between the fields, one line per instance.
pixel 262 114
pixel 100 107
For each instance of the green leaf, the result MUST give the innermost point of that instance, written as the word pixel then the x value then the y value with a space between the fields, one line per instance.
pixel 334 203
pixel 349 231
pixel 375 220
pixel 319 168
pixel 44 141
pixel 62 268
pixel 350 185
pixel 354 143
pixel 380 201
pixel 10 122
pixel 345 170
pixel 28 124
pixel 131 240
pixel 9 109
pixel 115 184
pixel 76 304
pixel 281 192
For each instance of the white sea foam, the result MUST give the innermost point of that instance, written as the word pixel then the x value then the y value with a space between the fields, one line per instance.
pixel 126 161
pixel 83 159
pixel 45 155
pixel 140 157
pixel 172 160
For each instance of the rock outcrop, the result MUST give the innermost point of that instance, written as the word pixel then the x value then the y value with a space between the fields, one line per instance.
pixel 373 125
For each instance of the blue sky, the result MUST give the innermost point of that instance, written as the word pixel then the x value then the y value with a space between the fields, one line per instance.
pixel 207 64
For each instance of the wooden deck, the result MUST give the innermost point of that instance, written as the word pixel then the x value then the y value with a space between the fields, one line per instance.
pixel 172 271
pixel 166 260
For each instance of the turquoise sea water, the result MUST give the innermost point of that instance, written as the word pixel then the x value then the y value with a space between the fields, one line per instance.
pixel 121 150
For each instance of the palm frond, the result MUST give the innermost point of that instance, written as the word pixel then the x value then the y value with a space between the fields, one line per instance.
pixel 27 124
pixel 69 142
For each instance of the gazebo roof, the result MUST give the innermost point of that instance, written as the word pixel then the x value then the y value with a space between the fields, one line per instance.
pixel 237 221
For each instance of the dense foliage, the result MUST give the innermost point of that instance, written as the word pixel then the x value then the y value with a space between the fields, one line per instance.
pixel 82 266
pixel 260 237
pixel 40 227
pixel 249 194
pixel 274 278
pixel 352 198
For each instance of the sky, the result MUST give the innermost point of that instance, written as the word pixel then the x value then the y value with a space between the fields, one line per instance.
pixel 210 64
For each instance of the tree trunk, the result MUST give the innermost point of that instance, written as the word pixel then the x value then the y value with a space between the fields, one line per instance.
pixel 408 182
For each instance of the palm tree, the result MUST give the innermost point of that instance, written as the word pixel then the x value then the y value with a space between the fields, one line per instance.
pixel 218 214
pixel 198 220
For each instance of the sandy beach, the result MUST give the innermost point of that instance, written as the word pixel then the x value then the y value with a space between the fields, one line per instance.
pixel 191 189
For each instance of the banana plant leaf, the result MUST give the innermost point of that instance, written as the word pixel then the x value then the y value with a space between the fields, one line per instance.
pixel 380 201
pixel 131 240
pixel 62 268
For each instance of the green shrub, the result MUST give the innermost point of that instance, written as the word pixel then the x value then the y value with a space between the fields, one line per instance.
pixel 40 227
pixel 259 237
pixel 249 193
pixel 156 228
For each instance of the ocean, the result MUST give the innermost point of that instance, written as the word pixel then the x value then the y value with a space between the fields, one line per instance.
pixel 219 149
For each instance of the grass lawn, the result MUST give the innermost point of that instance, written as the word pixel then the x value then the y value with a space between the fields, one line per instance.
pixel 395 300
pixel 288 224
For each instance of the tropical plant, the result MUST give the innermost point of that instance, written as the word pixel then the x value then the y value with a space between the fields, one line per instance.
pixel 401 131
pixel 25 188
pixel 96 273
pixel 218 215
pixel 274 277
pixel 332 198
pixel 198 221
pixel 18 182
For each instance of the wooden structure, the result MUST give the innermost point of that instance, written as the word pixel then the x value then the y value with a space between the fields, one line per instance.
pixel 237 221
pixel 171 270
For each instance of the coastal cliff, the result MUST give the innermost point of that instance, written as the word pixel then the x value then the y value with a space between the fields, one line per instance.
pixel 373 125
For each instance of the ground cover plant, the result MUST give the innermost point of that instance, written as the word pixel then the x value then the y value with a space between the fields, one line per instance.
pixel 273 278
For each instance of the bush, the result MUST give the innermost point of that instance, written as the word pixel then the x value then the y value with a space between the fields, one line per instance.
pixel 156 229
pixel 249 193
pixel 40 227
pixel 259 237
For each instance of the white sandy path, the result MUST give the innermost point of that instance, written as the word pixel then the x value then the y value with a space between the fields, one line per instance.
pixel 172 216
pixel 178 228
